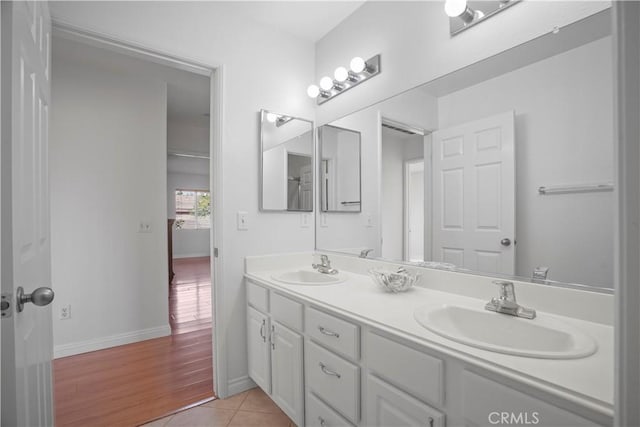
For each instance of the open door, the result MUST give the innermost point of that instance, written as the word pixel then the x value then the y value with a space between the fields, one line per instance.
pixel 27 341
pixel 474 195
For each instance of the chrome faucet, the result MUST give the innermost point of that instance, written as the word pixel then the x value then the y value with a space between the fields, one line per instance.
pixel 506 302
pixel 365 252
pixel 325 266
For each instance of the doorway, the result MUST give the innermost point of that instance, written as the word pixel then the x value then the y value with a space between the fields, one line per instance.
pixel 118 173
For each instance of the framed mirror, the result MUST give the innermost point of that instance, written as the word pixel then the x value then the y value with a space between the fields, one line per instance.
pixel 340 181
pixel 286 163
pixel 503 168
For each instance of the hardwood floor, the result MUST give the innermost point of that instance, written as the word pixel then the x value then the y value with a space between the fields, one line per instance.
pixel 190 295
pixel 131 384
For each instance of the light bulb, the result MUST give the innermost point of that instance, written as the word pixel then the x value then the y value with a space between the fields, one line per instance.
pixel 271 118
pixel 326 83
pixel 455 8
pixel 341 74
pixel 313 91
pixel 357 65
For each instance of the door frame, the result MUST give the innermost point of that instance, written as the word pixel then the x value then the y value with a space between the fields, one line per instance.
pixel 407 167
pixel 215 71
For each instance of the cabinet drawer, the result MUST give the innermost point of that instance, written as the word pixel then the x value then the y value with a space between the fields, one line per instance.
pixel 333 379
pixel 321 415
pixel 286 311
pixel 487 403
pixel 334 333
pixel 406 368
pixel 388 406
pixel 258 297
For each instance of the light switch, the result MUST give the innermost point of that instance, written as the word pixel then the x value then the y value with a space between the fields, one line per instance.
pixel 305 220
pixel 323 220
pixel 368 220
pixel 243 221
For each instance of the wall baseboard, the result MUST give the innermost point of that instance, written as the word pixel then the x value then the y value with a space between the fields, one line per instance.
pixel 194 255
pixel 238 385
pixel 110 341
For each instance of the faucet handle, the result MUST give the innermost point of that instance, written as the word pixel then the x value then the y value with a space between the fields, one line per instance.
pixel 324 260
pixel 507 291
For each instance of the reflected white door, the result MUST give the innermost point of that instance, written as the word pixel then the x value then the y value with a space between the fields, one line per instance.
pixel 474 195
pixel 27 344
pixel 414 210
pixel 306 187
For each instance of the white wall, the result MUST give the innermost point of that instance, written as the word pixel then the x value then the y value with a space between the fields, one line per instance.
pixel 257 62
pixel 413 39
pixel 107 173
pixel 188 135
pixel 564 128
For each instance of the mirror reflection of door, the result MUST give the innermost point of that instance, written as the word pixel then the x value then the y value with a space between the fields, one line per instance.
pixel 299 182
pixel 402 192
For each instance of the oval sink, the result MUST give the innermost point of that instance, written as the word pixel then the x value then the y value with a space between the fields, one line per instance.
pixel 542 337
pixel 308 277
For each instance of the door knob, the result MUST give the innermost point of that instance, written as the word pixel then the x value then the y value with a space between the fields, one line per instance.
pixel 40 297
pixel 505 242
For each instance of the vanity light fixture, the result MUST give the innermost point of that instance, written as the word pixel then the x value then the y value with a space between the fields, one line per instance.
pixel 278 119
pixel 343 79
pixel 464 14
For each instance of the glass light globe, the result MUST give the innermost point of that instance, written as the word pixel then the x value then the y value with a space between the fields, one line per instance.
pixel 313 91
pixel 357 65
pixel 326 83
pixel 341 74
pixel 271 118
pixel 455 8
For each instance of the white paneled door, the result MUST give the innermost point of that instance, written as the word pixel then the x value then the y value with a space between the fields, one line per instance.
pixel 27 345
pixel 474 195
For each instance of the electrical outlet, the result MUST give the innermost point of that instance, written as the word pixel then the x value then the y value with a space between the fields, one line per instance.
pixel 65 312
pixel 144 226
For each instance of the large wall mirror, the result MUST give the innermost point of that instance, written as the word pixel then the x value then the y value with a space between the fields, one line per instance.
pixel 286 176
pixel 501 168
pixel 339 151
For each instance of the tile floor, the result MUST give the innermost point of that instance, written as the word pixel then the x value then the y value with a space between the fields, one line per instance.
pixel 251 408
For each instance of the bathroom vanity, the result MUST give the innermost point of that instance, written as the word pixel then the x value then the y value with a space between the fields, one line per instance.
pixel 350 354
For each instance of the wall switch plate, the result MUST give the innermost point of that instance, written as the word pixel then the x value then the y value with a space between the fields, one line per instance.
pixel 243 220
pixel 305 220
pixel 323 220
pixel 368 219
pixel 65 312
pixel 144 226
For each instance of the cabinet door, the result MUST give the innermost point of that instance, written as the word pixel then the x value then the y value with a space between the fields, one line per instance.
pixel 388 406
pixel 286 371
pixel 258 349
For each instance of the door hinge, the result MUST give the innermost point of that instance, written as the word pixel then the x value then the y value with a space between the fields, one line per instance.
pixel 215 252
pixel 6 308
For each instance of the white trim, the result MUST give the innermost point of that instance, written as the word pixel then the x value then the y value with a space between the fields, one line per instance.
pixel 110 341
pixel 238 385
pixel 191 255
pixel 626 34
pixel 216 132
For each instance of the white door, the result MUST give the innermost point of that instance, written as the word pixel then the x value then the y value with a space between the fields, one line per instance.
pixel 306 187
pixel 414 210
pixel 27 344
pixel 258 349
pixel 286 372
pixel 474 195
pixel 388 406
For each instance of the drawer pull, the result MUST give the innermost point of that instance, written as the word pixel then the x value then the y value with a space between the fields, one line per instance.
pixel 264 337
pixel 322 422
pixel 271 338
pixel 431 421
pixel 324 369
pixel 326 331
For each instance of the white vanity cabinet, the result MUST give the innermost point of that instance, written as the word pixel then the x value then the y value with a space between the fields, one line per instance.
pixel 327 369
pixel 275 351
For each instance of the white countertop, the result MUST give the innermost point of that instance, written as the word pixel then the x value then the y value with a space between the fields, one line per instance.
pixel 587 381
